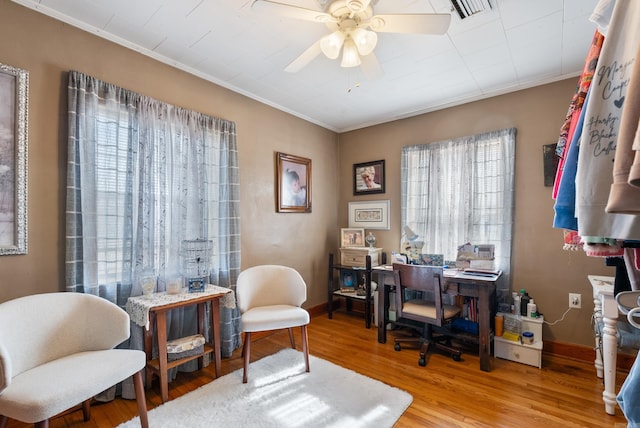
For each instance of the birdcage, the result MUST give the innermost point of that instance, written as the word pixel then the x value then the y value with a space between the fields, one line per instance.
pixel 196 258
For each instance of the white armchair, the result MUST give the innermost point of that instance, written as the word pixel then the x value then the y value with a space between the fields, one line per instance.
pixel 270 298
pixel 56 352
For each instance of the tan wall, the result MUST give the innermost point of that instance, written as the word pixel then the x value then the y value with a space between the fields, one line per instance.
pixel 540 265
pixel 48 48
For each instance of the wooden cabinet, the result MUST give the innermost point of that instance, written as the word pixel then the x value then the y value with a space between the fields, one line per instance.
pixel 338 274
pixel 357 257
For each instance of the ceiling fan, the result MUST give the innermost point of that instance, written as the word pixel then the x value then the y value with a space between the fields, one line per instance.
pixel 354 28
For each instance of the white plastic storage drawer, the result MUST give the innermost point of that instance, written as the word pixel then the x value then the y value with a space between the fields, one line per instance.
pixel 514 351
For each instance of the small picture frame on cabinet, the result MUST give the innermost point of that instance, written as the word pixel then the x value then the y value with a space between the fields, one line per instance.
pixel 352 237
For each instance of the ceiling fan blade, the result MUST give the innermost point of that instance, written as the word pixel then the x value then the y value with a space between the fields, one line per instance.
pixel 371 67
pixel 291 11
pixel 305 58
pixel 430 23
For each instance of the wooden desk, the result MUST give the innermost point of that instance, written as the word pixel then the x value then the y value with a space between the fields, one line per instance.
pixel 605 309
pixel 483 288
pixel 152 314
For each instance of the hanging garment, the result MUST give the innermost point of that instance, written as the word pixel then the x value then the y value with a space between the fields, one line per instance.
pixel 623 197
pixel 601 126
pixel 565 206
pixel 602 15
pixel 621 278
pixel 567 131
pixel 629 396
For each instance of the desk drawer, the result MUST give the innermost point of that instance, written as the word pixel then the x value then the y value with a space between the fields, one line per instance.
pixel 514 351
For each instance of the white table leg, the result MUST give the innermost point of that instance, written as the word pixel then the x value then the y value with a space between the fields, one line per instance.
pixel 609 353
pixel 597 317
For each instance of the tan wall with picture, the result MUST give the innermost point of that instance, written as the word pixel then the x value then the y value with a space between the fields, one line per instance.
pixel 48 49
pixel 539 263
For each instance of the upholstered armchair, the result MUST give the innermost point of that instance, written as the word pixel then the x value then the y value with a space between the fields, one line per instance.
pixel 270 298
pixel 57 351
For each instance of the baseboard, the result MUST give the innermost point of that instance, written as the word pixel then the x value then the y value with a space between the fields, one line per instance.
pixel 319 310
pixel 585 353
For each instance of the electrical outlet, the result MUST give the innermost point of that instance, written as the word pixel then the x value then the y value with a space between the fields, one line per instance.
pixel 575 300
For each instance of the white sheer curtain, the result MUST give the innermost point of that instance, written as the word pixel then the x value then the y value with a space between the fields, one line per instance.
pixel 142 177
pixel 459 191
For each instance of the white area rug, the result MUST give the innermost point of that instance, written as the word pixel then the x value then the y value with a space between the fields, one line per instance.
pixel 281 394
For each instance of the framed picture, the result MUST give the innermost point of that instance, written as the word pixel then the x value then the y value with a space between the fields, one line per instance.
pixel 196 285
pixel 348 280
pixel 369 215
pixel 368 177
pixel 14 88
pixel 432 259
pixel 550 163
pixel 294 184
pixel 352 237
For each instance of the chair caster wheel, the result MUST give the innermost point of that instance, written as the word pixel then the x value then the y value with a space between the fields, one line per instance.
pixel 422 362
pixel 456 357
pixel 397 347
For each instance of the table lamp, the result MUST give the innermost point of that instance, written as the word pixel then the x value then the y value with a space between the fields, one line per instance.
pixel 410 245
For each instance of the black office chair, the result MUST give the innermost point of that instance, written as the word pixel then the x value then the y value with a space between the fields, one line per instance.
pixel 419 301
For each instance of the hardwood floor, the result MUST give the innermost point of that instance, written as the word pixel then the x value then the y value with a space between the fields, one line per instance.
pixel 564 393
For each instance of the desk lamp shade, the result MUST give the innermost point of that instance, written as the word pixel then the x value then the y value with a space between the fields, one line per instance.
pixel 411 246
pixel 410 234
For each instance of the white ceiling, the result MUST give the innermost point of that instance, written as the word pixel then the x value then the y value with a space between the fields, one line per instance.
pixel 517 45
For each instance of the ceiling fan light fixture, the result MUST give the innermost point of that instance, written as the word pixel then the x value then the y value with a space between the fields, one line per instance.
pixel 331 44
pixel 365 40
pixel 350 57
pixel 357 5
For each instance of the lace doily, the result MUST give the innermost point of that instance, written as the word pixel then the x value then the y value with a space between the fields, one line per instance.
pixel 138 307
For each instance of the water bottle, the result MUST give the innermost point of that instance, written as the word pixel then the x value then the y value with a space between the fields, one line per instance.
pixel 532 309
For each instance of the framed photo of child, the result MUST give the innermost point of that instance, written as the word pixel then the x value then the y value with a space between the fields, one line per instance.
pixel 294 184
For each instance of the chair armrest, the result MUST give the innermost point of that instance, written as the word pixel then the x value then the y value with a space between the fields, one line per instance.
pixel 627 300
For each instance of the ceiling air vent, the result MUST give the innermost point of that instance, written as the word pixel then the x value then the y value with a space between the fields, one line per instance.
pixel 467 8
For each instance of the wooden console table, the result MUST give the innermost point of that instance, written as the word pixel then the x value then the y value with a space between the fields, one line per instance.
pixel 483 288
pixel 151 313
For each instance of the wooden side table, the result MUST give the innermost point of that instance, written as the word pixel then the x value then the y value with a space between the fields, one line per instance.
pixel 151 312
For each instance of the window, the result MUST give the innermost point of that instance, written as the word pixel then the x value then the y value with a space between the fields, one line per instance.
pixel 461 191
pixel 144 176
